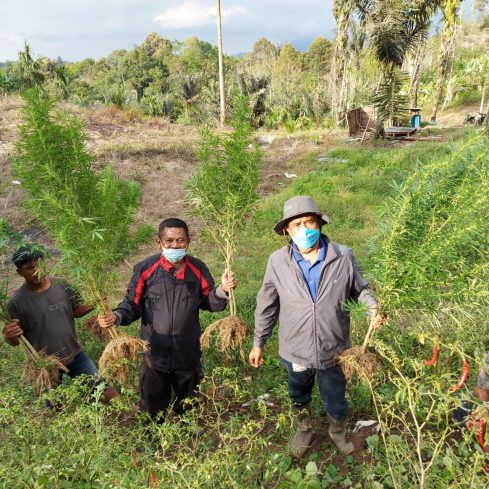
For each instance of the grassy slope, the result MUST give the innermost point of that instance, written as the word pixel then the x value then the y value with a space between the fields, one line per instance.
pixel 242 446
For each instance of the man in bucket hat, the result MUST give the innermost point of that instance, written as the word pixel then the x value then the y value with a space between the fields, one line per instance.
pixel 306 286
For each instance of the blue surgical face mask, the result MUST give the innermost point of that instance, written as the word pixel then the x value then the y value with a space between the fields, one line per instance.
pixel 174 255
pixel 306 238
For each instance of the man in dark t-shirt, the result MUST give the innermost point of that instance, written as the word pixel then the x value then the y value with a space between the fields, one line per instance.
pixel 44 309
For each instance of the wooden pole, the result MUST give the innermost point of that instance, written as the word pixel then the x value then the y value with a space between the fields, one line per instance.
pixel 481 108
pixel 221 66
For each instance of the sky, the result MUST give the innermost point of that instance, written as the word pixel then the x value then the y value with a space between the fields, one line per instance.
pixel 78 29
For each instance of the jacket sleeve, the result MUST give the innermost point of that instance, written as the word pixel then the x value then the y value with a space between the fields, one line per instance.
pixel 128 311
pixel 267 308
pixel 216 300
pixel 483 378
pixel 360 291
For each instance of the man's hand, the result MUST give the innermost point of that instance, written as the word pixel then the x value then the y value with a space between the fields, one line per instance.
pixel 478 414
pixel 228 281
pixel 482 412
pixel 107 320
pixel 376 320
pixel 255 357
pixel 12 331
pixel 482 394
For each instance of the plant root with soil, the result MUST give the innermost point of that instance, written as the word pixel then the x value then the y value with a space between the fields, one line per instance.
pixel 115 361
pixel 40 370
pixel 92 325
pixel 232 332
pixel 356 361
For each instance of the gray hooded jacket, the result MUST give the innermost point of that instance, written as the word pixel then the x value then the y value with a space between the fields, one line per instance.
pixel 311 334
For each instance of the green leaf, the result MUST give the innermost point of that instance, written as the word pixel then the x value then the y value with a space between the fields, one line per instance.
pixel 311 468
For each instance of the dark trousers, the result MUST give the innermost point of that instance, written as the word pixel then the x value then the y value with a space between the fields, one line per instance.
pixel 81 364
pixel 331 383
pixel 156 388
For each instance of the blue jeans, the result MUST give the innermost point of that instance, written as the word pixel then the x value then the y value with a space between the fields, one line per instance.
pixel 81 364
pixel 331 383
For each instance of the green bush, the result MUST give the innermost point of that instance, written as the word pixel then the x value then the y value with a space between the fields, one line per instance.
pixel 434 248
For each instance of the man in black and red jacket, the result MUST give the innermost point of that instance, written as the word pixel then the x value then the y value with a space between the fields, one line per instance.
pixel 166 292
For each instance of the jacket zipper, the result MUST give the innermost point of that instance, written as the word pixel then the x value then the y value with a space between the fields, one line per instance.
pixel 172 304
pixel 313 304
pixel 315 334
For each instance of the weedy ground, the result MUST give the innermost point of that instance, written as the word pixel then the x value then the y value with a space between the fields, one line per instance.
pixel 236 435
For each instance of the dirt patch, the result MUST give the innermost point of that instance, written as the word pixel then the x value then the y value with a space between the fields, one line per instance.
pixel 288 155
pixel 11 194
pixel 454 117
pixel 322 442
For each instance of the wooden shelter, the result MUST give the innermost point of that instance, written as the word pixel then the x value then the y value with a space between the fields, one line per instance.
pixel 360 121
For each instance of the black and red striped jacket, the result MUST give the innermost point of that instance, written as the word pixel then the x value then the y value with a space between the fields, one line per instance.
pixel 168 306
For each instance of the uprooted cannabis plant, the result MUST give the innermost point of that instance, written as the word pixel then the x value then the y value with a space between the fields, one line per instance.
pixel 222 193
pixel 90 215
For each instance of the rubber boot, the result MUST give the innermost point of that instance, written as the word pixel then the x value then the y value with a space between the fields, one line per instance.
pixel 337 432
pixel 302 440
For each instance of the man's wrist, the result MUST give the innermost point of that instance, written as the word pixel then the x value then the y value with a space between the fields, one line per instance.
pixel 221 293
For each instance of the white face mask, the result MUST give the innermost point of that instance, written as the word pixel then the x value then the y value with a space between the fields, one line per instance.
pixel 174 255
pixel 306 238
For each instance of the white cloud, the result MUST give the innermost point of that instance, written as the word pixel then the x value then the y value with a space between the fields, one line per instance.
pixel 194 13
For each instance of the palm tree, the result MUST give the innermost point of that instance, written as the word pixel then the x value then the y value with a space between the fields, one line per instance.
pixel 395 29
pixel 447 44
pixel 343 11
pixel 30 71
pixel 418 25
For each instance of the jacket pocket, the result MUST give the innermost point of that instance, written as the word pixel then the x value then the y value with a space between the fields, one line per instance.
pixel 152 301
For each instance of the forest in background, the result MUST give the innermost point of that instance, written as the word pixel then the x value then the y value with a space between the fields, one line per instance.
pixel 392 54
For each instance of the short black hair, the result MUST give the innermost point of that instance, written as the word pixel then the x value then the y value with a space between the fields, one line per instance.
pixel 172 222
pixel 27 253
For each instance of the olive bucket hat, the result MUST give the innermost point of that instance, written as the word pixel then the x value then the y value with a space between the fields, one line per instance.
pixel 300 205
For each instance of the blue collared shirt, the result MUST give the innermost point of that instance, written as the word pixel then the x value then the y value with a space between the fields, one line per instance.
pixel 311 272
